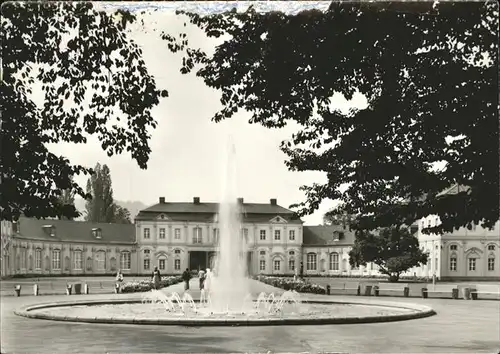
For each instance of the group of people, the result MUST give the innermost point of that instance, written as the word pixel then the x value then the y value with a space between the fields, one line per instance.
pixel 204 278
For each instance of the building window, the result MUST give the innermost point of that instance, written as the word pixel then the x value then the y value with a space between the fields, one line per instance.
pixel 97 233
pixel 125 260
pixel 38 258
pixel 245 233
pixel 147 263
pixel 262 253
pixel 23 258
pixel 161 263
pixel 453 247
pixel 311 261
pixel 262 235
pixel 472 264
pixel 291 264
pixel 291 235
pixel 491 264
pixel 162 232
pixel 146 252
pixel 197 235
pixel 262 265
pixel 277 265
pixel 277 235
pixel 177 264
pixel 291 253
pixel 101 260
pixel 177 251
pixel 77 260
pixel 146 233
pixel 216 235
pixel 334 261
pixel 436 260
pixel 177 234
pixel 453 264
pixel 56 259
pixel 491 247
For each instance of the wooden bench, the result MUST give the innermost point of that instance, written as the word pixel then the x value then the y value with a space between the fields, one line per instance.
pixel 392 289
pixel 344 289
pixel 440 291
pixel 485 292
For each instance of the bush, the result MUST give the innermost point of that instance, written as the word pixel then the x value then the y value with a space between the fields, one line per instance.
pixel 147 285
pixel 291 284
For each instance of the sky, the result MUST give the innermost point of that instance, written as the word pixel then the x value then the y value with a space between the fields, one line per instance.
pixel 188 149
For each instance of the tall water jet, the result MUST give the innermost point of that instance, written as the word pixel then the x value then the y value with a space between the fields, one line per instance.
pixel 230 285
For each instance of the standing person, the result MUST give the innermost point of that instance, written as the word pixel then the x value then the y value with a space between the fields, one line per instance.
pixel 186 276
pixel 301 270
pixel 156 277
pixel 119 276
pixel 201 276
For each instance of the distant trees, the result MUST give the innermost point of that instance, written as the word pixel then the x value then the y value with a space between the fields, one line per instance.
pixel 393 249
pixel 333 218
pixel 102 206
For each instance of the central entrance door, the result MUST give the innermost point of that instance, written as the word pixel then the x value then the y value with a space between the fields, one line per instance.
pixel 197 260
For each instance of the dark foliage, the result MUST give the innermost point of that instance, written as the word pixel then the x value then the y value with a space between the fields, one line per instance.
pixel 80 55
pixel 428 71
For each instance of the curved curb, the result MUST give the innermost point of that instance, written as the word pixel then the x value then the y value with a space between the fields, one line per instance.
pixel 419 311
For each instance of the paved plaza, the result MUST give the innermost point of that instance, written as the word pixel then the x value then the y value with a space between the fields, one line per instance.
pixel 459 327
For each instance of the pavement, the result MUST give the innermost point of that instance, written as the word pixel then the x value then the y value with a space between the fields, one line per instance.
pixel 460 326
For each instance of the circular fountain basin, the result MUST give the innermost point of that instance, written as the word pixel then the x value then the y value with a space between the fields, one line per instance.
pixel 134 311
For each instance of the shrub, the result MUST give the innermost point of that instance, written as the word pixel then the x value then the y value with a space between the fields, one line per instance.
pixel 147 285
pixel 290 284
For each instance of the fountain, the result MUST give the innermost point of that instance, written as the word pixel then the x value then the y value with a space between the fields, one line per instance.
pixel 227 299
pixel 230 285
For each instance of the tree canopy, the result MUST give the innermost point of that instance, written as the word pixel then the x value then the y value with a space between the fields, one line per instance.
pixel 102 206
pixel 393 249
pixel 92 76
pixel 428 72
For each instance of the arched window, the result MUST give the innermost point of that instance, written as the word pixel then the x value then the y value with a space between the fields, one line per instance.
pixel 56 259
pixel 125 260
pixel 146 261
pixel 491 262
pixel 334 261
pixel 453 262
pixel 100 260
pixel 291 264
pixel 77 260
pixel 312 261
pixel 38 259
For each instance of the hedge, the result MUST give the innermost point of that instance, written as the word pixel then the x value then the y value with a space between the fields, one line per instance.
pixel 290 284
pixel 147 285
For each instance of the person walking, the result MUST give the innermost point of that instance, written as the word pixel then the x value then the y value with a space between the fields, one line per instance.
pixel 156 278
pixel 186 276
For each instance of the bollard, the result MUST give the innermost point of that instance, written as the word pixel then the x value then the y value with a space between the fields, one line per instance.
pixel 35 289
pixel 17 289
pixel 68 289
pixel 86 289
pixel 117 288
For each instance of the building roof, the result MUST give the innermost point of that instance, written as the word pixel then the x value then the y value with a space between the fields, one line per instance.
pixel 323 235
pixel 75 231
pixel 205 211
pixel 213 208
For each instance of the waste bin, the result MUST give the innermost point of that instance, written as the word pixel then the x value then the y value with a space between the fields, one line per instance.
pixel 17 289
pixel 77 288
pixel 406 291
pixel 424 293
pixel 328 290
pixel 454 293
pixel 35 289
pixel 375 290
